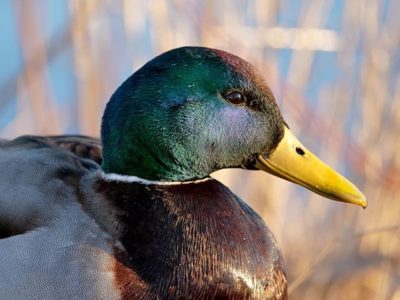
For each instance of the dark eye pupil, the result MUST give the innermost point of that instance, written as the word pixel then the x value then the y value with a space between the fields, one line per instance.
pixel 235 97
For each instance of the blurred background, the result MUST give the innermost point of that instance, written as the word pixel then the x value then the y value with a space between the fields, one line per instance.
pixel 333 66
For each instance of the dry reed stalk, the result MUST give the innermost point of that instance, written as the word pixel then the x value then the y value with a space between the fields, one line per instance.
pixel 43 111
pixel 89 79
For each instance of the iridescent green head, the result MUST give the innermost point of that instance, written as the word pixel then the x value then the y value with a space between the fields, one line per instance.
pixel 192 111
pixel 187 113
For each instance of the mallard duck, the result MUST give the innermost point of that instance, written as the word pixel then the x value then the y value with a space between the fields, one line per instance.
pixel 138 216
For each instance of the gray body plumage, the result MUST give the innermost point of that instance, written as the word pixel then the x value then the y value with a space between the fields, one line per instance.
pixel 50 248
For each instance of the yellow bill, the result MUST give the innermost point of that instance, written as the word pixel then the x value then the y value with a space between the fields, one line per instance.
pixel 293 162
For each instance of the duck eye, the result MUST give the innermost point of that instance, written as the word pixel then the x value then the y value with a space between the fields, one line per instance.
pixel 235 98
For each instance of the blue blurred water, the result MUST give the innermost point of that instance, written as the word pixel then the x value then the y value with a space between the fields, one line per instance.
pixel 10 55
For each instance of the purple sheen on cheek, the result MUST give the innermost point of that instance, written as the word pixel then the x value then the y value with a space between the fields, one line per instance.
pixel 234 117
pixel 234 125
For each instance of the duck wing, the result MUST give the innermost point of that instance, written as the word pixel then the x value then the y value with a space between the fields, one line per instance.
pixel 81 146
pixel 50 247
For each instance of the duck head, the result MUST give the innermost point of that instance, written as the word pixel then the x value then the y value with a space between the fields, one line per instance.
pixel 194 110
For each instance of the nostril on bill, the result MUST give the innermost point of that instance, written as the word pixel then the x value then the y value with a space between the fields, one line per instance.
pixel 300 151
